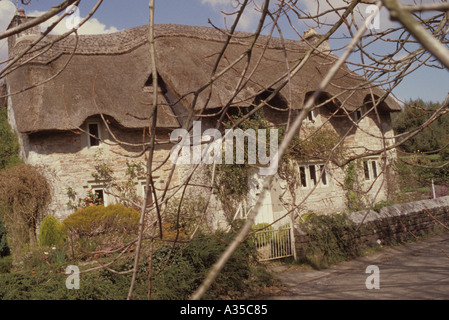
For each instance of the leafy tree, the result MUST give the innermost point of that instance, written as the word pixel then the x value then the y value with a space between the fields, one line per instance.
pixel 433 138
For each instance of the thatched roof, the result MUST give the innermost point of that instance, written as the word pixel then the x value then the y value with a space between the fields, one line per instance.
pixel 108 74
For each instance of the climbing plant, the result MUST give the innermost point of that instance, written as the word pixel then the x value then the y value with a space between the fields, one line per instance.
pixel 311 144
pixel 9 146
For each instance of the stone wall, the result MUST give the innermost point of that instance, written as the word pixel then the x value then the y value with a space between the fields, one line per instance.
pixel 391 225
pixel 68 162
pixel 331 198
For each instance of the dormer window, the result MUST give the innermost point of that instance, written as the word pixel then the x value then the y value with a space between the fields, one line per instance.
pixel 358 114
pixel 312 115
pixel 93 137
pixel 148 86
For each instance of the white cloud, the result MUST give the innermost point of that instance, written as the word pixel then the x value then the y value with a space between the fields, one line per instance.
pixel 92 26
pixel 216 2
pixel 7 10
pixel 314 7
pixel 249 18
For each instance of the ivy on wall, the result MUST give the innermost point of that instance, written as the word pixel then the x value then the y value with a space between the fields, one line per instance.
pixel 232 179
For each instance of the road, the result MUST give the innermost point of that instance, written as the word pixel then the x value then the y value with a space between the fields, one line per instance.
pixel 414 271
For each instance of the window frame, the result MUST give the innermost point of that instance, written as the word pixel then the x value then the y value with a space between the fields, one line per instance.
pixel 370 169
pixel 105 197
pixel 309 175
pixel 143 191
pixel 89 134
pixel 358 114
pixel 312 116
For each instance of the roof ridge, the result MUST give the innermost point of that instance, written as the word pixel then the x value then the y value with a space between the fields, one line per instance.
pixel 126 40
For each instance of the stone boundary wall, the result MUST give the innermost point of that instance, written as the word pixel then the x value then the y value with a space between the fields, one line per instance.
pixel 391 225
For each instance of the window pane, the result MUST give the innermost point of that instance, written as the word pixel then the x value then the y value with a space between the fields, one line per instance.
pixel 312 171
pixel 374 166
pixel 310 116
pixel 366 170
pixel 93 130
pixel 99 196
pixel 323 175
pixel 302 176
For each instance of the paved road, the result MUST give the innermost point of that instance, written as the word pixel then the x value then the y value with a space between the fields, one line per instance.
pixel 418 270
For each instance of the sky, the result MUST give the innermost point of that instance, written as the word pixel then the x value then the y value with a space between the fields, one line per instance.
pixel 116 15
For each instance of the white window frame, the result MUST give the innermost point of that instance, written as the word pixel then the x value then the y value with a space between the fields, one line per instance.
pixel 358 114
pixel 305 175
pixel 105 196
pixel 370 169
pixel 312 116
pixel 89 137
pixel 142 190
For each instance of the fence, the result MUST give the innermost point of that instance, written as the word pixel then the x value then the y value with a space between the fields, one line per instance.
pixel 274 243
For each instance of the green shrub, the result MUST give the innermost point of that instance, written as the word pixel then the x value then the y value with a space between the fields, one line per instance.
pixel 51 232
pixel 205 250
pixel 45 258
pixel 4 249
pixel 261 239
pixel 173 279
pixel 5 264
pixel 100 219
pixel 48 285
pixel 381 204
pixel 189 264
pixel 333 238
pixel 100 228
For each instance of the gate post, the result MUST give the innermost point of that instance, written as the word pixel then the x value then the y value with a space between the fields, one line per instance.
pixel 292 236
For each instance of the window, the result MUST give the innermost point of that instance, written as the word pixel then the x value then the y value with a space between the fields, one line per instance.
pixel 100 196
pixel 148 86
pixel 323 176
pixel 302 176
pixel 370 169
pixel 150 200
pixel 358 114
pixel 366 170
pixel 312 175
pixel 94 134
pixel 312 171
pixel 312 116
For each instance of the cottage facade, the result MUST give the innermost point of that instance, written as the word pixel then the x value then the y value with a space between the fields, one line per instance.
pixel 83 102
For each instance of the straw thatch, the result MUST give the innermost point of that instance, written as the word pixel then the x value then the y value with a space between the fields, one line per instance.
pixel 109 73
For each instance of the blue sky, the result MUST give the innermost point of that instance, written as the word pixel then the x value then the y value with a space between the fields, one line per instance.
pixel 114 15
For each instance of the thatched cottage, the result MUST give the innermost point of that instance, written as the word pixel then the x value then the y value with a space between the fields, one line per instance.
pixel 79 96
